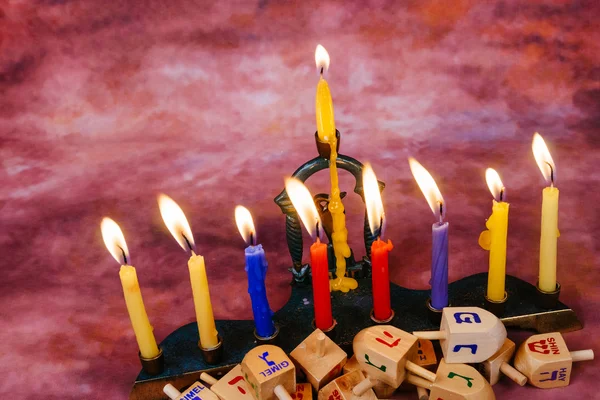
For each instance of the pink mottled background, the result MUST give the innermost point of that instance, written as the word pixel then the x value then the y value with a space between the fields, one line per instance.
pixel 104 104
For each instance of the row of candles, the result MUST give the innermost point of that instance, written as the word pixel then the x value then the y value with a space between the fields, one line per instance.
pixel 493 239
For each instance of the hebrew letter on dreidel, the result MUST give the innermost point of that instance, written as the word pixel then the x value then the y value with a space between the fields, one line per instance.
pixel 467 319
pixel 264 358
pixel 469 383
pixel 390 345
pixel 458 347
pixel 382 368
pixel 553 376
pixel 539 347
pixel 236 380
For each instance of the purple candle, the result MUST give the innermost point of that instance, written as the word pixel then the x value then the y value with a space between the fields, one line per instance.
pixel 439 265
pixel 439 231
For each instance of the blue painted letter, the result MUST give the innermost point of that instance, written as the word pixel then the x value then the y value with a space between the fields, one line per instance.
pixel 458 347
pixel 467 318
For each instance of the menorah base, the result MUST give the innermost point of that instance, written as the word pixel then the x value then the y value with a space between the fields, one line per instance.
pixel 184 362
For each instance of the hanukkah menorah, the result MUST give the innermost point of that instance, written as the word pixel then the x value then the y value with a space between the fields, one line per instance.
pixel 182 360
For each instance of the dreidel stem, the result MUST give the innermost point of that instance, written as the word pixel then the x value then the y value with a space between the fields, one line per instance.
pixel 582 355
pixel 431 335
pixel 362 387
pixel 422 393
pixel 171 391
pixel 418 382
pixel 321 344
pixel 419 371
pixel 513 374
pixel 208 378
pixel 281 393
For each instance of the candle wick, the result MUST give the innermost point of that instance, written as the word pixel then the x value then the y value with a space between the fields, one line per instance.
pixel 551 174
pixel 322 70
pixel 124 255
pixel 441 212
pixel 501 194
pixel 317 229
pixel 188 243
pixel 252 242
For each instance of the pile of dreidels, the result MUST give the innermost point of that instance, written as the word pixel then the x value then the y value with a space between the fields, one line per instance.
pixel 386 357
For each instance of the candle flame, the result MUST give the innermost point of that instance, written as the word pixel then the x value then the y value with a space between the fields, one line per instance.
pixel 373 202
pixel 322 58
pixel 305 207
pixel 114 240
pixel 495 184
pixel 175 221
pixel 428 187
pixel 543 158
pixel 245 225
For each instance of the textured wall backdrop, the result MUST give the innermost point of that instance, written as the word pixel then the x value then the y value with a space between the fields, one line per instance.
pixel 104 104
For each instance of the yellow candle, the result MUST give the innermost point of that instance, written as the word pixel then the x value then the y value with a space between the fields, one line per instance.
pixel 116 245
pixel 549 231
pixel 324 106
pixel 202 303
pixel 494 239
pixel 137 312
pixel 326 133
pixel 179 227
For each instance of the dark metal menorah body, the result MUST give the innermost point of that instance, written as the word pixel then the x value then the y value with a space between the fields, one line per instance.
pixel 293 230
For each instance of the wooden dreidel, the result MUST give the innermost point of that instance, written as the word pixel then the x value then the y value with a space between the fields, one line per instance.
pixel 269 373
pixel 195 392
pixel 231 386
pixel 384 353
pixel 546 360
pixel 303 392
pixel 455 382
pixel 467 334
pixel 498 363
pixel 425 356
pixel 319 358
pixel 382 390
pixel 351 365
pixel 351 386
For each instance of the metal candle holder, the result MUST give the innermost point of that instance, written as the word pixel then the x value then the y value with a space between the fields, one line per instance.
pixel 293 230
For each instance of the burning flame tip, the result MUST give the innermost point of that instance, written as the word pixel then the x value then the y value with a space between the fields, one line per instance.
pixel 373 202
pixel 175 221
pixel 495 184
pixel 305 207
pixel 543 158
pixel 245 225
pixel 114 240
pixel 322 58
pixel 428 187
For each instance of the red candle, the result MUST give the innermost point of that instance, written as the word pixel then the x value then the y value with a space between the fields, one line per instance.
pixel 307 211
pixel 382 308
pixel 320 284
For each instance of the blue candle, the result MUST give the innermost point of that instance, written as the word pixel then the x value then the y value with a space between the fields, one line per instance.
pixel 256 267
pixel 439 265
